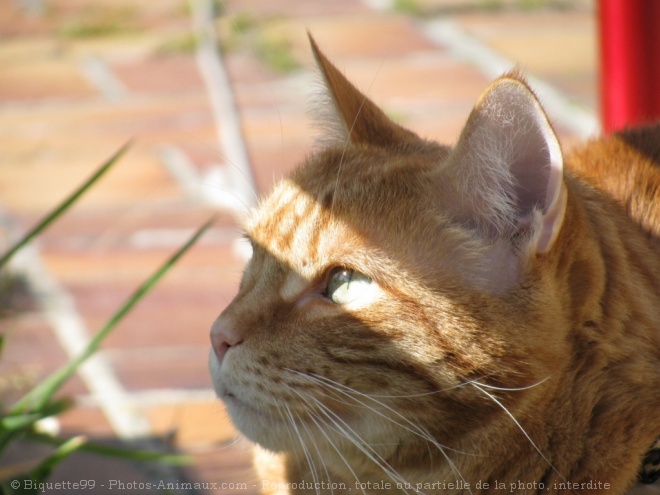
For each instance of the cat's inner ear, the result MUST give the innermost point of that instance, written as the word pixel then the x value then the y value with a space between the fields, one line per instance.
pixel 360 121
pixel 507 168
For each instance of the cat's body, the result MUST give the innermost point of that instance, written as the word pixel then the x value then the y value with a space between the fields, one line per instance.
pixel 422 319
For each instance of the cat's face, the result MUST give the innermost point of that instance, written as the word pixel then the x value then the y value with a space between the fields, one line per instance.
pixel 336 302
pixel 385 295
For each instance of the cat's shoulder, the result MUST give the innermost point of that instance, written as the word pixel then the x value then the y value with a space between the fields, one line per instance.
pixel 645 140
pixel 626 166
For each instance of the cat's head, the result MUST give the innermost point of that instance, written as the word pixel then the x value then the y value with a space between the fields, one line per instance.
pixel 394 280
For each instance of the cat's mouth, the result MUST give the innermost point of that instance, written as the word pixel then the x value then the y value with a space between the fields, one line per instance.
pixel 257 423
pixel 230 399
pixel 240 407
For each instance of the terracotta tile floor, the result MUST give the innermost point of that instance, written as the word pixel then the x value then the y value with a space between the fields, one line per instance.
pixel 58 122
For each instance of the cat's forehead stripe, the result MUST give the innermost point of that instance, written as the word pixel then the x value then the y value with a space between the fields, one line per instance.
pixel 296 227
pixel 289 225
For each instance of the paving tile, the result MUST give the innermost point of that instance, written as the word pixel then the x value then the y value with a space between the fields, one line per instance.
pixel 29 187
pixel 160 74
pixel 539 42
pixel 162 368
pixel 122 15
pixel 90 123
pixel 272 163
pixel 15 22
pixel 429 93
pixel 244 67
pixel 405 85
pixel 444 7
pixel 139 226
pixel 203 152
pixel 125 245
pixel 90 420
pixel 355 36
pixel 98 474
pixel 207 276
pixel 294 8
pixel 193 425
pixel 31 353
pixel 277 142
pixel 290 95
pixel 25 82
pixel 28 50
pixel 229 466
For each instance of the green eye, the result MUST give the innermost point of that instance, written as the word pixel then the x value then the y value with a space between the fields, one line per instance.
pixel 345 285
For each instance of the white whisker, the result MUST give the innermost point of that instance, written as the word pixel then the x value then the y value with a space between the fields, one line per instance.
pixel 413 428
pixel 517 423
pixel 333 385
pixel 349 433
pixel 308 456
pixel 506 389
pixel 336 449
pixel 424 394
pixel 318 452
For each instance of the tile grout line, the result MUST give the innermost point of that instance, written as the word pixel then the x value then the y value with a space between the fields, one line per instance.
pixel 124 415
pixel 196 187
pixel 236 174
pixel 59 309
pixel 99 75
pixel 231 186
pixel 156 397
pixel 212 188
pixel 119 406
pixel 122 411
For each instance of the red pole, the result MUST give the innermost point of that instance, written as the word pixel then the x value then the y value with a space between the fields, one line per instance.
pixel 653 33
pixel 630 62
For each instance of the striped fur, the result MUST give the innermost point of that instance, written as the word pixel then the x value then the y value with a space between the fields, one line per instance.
pixel 511 333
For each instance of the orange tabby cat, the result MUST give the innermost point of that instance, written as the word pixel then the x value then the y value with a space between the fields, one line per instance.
pixel 418 318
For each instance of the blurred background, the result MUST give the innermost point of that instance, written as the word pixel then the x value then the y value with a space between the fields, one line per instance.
pixel 216 96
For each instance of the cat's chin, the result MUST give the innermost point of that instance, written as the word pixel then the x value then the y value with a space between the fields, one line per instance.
pixel 262 426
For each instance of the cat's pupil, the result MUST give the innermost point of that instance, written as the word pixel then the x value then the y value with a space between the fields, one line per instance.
pixel 345 285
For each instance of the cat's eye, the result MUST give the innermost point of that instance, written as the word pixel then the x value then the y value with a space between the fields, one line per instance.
pixel 346 285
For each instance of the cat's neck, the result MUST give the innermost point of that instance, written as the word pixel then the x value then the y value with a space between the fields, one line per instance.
pixel 604 314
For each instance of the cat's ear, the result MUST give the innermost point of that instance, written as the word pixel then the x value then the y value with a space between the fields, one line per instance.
pixel 507 166
pixel 360 121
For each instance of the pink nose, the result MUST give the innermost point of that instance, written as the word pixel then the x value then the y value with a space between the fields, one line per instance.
pixel 224 336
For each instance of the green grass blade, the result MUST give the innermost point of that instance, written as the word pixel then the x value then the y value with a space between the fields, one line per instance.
pixel 118 452
pixel 45 467
pixel 65 205
pixel 18 484
pixel 20 421
pixel 15 425
pixel 41 394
